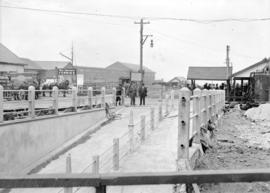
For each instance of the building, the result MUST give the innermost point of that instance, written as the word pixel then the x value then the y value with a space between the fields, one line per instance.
pixel 252 82
pixel 32 69
pixel 10 62
pixel 257 67
pixel 56 71
pixel 128 69
pixel 110 76
pixel 177 82
pixel 49 68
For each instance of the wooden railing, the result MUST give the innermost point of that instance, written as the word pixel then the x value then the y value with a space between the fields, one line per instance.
pixel 32 103
pixel 100 182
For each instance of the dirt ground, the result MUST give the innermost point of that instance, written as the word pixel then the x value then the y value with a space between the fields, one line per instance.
pixel 236 149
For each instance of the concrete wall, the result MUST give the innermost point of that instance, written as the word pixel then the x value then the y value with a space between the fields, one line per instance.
pixel 26 141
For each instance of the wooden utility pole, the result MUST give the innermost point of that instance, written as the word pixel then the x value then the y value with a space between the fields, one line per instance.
pixel 143 38
pixel 228 59
pixel 228 71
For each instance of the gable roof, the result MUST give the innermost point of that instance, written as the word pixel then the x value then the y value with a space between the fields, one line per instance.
pixel 208 73
pixel 6 56
pixel 178 79
pixel 265 60
pixel 51 65
pixel 129 66
pixel 30 64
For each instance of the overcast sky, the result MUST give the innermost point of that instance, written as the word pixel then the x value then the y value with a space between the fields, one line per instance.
pixel 100 41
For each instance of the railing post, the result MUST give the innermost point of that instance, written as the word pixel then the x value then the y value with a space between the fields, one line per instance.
pixel 207 104
pixel 123 96
pixel 55 99
pixel 152 118
pixel 160 117
pixel 101 189
pixel 210 104
pixel 197 92
pixel 96 164
pixel 142 127
pixel 161 94
pixel 116 154
pixel 131 132
pixel 68 171
pixel 114 97
pixel 167 104
pixel 183 124
pixel 1 104
pixel 172 99
pixel 31 101
pixel 103 92
pixel 90 97
pixel 214 104
pixel 74 98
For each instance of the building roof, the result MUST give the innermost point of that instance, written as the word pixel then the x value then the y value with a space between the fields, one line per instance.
pixel 128 66
pixel 265 60
pixel 30 64
pixel 7 56
pixel 208 73
pixel 50 65
pixel 178 79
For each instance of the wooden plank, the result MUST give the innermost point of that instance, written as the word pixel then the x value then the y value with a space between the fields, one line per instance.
pixel 87 180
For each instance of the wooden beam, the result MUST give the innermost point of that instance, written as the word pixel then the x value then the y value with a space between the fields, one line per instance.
pixel 115 179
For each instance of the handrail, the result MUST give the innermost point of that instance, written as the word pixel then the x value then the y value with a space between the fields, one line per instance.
pixel 147 178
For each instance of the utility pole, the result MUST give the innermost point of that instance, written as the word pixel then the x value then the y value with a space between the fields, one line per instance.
pixel 72 58
pixel 228 71
pixel 228 60
pixel 143 38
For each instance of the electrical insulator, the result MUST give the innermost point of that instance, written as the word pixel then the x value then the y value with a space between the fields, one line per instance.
pixel 152 43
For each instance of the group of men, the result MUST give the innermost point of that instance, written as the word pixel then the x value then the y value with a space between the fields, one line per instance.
pixel 132 93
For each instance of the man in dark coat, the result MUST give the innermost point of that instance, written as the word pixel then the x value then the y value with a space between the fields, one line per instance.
pixel 142 94
pixel 132 93
pixel 118 94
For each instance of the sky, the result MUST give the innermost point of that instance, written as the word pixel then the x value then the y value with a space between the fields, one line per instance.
pixel 101 41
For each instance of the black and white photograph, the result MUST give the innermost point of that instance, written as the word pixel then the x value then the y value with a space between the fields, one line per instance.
pixel 145 96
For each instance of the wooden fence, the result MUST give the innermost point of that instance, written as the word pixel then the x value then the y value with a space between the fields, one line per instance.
pixel 30 106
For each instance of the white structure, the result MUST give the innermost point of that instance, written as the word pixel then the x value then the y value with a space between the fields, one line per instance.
pixel 263 65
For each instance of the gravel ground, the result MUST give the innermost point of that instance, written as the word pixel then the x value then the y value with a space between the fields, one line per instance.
pixel 241 145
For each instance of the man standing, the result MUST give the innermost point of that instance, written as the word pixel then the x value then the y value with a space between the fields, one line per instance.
pixel 142 94
pixel 132 93
pixel 118 94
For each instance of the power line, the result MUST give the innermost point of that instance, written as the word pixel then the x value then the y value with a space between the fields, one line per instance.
pixel 198 45
pixel 70 12
pixel 202 21
pixel 207 21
